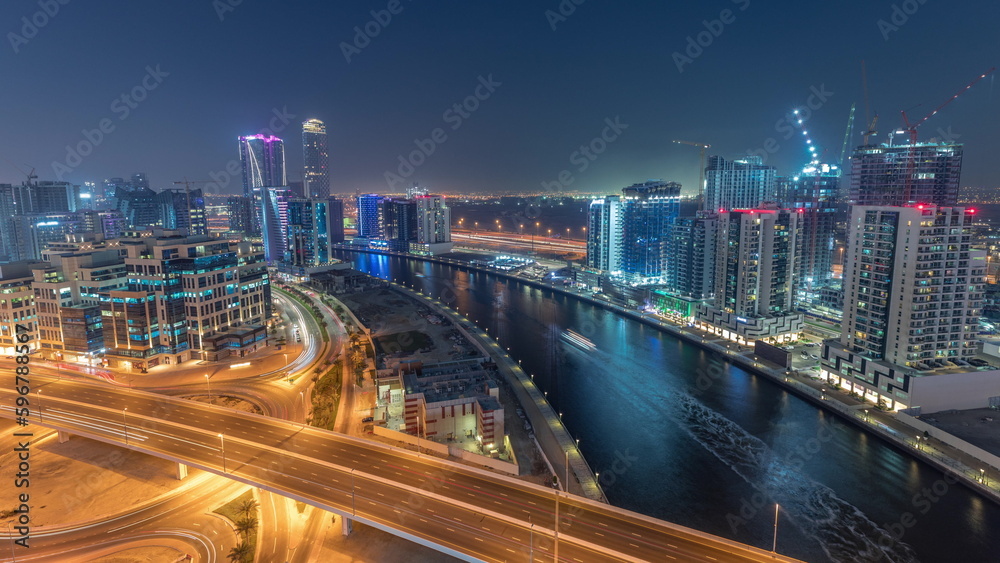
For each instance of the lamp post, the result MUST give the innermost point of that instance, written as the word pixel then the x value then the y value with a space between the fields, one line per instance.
pixel 354 509
pixel 305 411
pixel 222 440
pixel 38 393
pixel 566 471
pixel 418 435
pixel 774 545
pixel 10 533
pixel 555 552
pixel 208 380
pixel 531 541
pixel 125 425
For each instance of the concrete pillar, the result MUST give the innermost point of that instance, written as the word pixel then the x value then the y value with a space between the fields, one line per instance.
pixel 63 437
pixel 182 471
pixel 347 525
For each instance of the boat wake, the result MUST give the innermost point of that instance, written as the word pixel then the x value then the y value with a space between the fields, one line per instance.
pixel 843 531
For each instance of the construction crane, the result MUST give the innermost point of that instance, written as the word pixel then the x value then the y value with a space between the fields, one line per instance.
pixel 847 136
pixel 701 169
pixel 871 121
pixel 911 129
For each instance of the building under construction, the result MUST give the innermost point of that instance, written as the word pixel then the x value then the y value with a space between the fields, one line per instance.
pixel 890 174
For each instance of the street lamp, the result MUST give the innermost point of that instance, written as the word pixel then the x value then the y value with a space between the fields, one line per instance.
pixel 209 381
pixel 38 393
pixel 125 425
pixel 11 534
pixel 305 411
pixel 774 545
pixel 418 435
pixel 354 509
pixel 566 472
pixel 222 440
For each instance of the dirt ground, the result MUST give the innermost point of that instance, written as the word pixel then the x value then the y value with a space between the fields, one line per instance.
pixel 393 318
pixel 972 426
pixel 84 479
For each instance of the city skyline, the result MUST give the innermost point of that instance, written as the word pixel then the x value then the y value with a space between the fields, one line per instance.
pixel 526 127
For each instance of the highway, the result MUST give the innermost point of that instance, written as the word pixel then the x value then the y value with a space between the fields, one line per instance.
pixel 464 511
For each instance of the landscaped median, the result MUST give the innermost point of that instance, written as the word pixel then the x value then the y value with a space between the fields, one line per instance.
pixel 242 512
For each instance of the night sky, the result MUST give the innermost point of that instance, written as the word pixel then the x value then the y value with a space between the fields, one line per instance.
pixel 231 75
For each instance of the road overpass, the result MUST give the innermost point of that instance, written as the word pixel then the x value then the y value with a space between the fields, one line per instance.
pixel 469 513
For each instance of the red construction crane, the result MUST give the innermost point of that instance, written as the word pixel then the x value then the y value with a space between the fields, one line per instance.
pixel 911 128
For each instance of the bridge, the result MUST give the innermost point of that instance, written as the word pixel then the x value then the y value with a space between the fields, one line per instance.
pixel 471 514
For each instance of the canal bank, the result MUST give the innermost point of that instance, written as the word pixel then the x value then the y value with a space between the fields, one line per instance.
pixel 959 465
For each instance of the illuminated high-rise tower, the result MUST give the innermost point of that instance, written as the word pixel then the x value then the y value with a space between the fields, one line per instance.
pixel 263 159
pixel 316 172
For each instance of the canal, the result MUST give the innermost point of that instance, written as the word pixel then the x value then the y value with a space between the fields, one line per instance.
pixel 677 434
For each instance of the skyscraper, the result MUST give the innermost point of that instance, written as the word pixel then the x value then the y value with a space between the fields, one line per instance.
pixel 368 216
pixel 433 225
pixel 263 160
pixel 313 226
pixel 755 262
pixel 274 222
pixel 399 223
pixel 739 184
pixel 913 289
pixel 890 174
pixel 241 215
pixel 316 159
pixel 182 209
pixel 604 234
pixel 648 211
pixel 690 250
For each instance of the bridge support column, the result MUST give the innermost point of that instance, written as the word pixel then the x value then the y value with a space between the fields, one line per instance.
pixel 182 471
pixel 63 437
pixel 347 525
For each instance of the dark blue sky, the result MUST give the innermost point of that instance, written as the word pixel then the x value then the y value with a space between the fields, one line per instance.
pixel 606 60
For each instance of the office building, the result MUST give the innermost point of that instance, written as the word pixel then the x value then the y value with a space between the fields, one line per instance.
pixel 273 218
pixel 241 212
pixel 314 225
pixel 744 183
pixel 755 265
pixel 913 292
pixel 182 209
pixel 263 162
pixel 186 297
pixel 398 223
pixel 647 212
pixel 68 286
pixel 369 225
pixel 604 234
pixel 138 205
pixel 316 174
pixel 17 304
pixel 900 174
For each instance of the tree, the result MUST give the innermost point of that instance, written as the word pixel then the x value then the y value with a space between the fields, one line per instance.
pixel 246 525
pixel 240 552
pixel 247 506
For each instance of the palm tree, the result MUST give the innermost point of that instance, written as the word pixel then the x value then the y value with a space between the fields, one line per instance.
pixel 240 552
pixel 247 506
pixel 246 525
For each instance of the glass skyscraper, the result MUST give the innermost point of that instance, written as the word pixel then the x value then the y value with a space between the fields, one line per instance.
pixel 263 160
pixel 316 174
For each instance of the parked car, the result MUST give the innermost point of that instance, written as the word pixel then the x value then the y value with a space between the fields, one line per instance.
pixel 368 419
